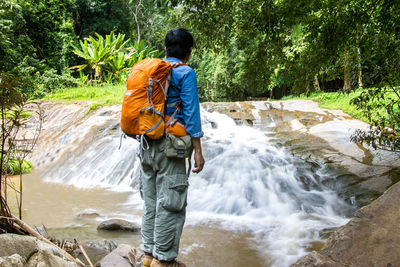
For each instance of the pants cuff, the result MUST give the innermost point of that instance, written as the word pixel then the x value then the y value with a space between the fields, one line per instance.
pixel 146 248
pixel 163 257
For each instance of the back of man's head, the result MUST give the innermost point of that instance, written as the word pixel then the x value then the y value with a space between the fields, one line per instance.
pixel 178 43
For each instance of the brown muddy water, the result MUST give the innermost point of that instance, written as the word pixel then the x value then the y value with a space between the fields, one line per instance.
pixel 56 206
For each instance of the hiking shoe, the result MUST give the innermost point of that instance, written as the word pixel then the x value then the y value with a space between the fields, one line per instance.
pixel 174 263
pixel 147 260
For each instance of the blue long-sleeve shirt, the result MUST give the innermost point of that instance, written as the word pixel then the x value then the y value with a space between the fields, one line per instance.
pixel 183 87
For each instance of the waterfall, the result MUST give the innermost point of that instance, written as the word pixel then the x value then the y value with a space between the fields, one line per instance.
pixel 249 183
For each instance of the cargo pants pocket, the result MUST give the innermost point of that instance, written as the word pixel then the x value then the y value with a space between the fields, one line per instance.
pixel 175 192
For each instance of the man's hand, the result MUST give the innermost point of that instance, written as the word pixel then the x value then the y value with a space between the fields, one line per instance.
pixel 198 162
pixel 198 156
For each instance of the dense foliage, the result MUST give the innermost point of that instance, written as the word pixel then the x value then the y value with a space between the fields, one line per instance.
pixel 243 48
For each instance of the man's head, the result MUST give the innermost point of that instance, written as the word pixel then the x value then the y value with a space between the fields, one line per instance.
pixel 178 43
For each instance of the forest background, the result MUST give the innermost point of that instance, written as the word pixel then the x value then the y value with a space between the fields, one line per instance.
pixel 245 49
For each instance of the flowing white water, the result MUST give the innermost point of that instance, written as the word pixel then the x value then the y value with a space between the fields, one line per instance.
pixel 248 184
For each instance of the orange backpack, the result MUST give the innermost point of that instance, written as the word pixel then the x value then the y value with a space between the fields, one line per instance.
pixel 144 101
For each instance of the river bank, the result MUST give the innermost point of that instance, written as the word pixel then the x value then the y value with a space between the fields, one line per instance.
pixel 293 147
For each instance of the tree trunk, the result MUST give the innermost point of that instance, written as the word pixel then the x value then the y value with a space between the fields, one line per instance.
pixel 135 15
pixel 3 141
pixel 360 79
pixel 316 83
pixel 137 24
pixel 347 70
pixel 20 191
pixel 308 91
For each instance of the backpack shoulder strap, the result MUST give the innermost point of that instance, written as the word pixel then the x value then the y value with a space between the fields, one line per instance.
pixel 177 64
pixel 167 83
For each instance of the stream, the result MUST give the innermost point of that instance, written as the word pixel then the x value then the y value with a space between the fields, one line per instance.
pixel 253 200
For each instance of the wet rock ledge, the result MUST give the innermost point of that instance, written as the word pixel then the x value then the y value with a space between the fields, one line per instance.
pixel 371 238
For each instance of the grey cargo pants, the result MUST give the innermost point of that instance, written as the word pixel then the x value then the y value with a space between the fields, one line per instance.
pixel 163 187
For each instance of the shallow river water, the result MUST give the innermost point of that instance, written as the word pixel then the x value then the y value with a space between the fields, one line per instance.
pixel 253 205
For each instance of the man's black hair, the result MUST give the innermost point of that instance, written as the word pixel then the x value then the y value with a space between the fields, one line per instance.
pixel 178 42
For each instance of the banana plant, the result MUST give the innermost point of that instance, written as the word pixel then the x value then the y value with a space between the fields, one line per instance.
pixel 118 66
pixel 141 51
pixel 99 53
pixel 83 79
pixel 109 59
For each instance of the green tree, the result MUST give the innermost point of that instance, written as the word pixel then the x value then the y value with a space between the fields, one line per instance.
pixel 100 16
pixel 49 25
pixel 40 55
pixel 15 44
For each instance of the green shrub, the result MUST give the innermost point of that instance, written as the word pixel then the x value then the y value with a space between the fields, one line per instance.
pixel 13 167
pixel 50 81
pixel 381 107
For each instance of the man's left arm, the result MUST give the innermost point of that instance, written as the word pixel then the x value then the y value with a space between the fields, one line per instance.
pixel 198 155
pixel 191 114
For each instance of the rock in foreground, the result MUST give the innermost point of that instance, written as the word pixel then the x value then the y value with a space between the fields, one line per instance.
pixel 123 256
pixel 371 238
pixel 17 250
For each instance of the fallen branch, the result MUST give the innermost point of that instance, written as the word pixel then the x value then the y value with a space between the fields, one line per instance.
pixel 84 254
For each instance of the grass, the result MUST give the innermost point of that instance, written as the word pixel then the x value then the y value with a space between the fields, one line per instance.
pixel 104 95
pixel 341 101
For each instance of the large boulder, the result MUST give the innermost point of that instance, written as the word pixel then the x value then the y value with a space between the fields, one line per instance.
pixel 31 252
pixel 371 238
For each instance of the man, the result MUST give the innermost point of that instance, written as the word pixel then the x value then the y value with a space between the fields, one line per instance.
pixel 164 181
